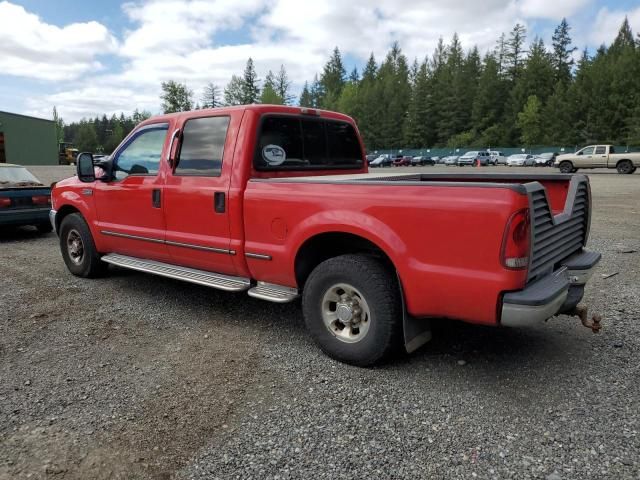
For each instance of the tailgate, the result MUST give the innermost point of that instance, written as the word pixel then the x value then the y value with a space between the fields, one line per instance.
pixel 560 220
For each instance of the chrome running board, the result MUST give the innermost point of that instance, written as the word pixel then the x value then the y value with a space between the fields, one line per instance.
pixel 273 293
pixel 199 277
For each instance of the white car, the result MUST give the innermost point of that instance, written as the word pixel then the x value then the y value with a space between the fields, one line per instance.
pixel 520 160
pixel 497 158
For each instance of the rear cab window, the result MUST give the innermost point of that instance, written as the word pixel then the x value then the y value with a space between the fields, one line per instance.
pixel 289 142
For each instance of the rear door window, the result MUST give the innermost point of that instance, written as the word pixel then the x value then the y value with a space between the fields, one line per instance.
pixel 202 147
pixel 601 150
pixel 300 143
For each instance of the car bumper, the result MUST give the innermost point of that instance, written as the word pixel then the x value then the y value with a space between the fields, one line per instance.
pixel 554 294
pixel 52 219
pixel 26 216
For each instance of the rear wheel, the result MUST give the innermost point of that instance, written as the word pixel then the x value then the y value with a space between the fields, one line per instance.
pixel 353 310
pixel 625 167
pixel 78 249
pixel 566 167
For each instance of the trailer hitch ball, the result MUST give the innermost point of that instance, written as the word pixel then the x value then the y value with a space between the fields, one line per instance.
pixel 582 312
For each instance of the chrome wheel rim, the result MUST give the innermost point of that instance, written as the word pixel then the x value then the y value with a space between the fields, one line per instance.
pixel 345 313
pixel 75 247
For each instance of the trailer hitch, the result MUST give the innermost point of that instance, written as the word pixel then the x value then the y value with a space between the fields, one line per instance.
pixel 582 312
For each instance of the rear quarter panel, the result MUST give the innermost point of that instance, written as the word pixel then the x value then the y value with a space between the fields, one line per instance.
pixel 444 241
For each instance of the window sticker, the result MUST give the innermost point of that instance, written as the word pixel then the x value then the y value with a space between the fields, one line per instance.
pixel 274 155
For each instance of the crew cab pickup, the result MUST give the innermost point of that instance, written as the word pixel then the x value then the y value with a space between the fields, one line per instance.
pixel 276 201
pixel 598 156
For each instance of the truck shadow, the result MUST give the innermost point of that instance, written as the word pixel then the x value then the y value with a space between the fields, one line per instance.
pixel 21 234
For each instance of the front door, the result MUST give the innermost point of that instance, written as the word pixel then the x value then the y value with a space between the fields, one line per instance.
pixel 196 195
pixel 585 157
pixel 129 207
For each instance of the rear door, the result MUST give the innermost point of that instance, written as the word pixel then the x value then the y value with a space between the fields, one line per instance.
pixel 196 196
pixel 600 156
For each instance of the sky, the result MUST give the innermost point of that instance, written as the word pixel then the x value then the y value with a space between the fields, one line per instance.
pixel 104 56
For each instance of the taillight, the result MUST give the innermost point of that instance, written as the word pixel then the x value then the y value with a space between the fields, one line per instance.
pixel 41 200
pixel 5 202
pixel 516 241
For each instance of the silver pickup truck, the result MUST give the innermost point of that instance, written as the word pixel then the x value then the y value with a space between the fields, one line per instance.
pixel 598 156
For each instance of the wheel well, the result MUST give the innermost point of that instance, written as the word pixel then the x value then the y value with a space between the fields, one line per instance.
pixel 321 247
pixel 624 160
pixel 62 213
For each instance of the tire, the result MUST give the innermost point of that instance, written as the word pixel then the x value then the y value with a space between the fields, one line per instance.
pixel 356 282
pixel 566 167
pixel 625 167
pixel 78 249
pixel 44 228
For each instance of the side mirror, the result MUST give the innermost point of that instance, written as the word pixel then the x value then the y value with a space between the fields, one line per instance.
pixel 84 167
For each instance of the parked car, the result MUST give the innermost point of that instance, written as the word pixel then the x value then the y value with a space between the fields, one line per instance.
pixel 473 157
pixel 544 159
pixel 370 158
pixel 382 161
pixel 422 160
pixel 436 159
pixel 598 156
pixel 520 160
pixel 24 200
pixel 299 219
pixel 451 160
pixel 402 161
pixel 497 158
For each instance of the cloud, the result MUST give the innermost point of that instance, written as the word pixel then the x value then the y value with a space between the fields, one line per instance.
pixel 198 41
pixel 608 22
pixel 31 48
pixel 551 9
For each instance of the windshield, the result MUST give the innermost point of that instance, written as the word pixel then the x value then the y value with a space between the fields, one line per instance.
pixel 519 156
pixel 471 154
pixel 17 177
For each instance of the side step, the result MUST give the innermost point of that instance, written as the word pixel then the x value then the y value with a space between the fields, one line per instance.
pixel 200 277
pixel 273 293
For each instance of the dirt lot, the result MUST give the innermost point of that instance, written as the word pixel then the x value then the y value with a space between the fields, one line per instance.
pixel 136 376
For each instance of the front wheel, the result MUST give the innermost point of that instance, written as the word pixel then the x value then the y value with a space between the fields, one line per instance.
pixel 566 167
pixel 625 167
pixel 352 308
pixel 78 249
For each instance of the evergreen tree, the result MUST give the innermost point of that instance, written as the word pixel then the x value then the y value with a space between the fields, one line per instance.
pixel 250 84
pixel 233 92
pixel 269 94
pixel 282 86
pixel 86 139
pixel 562 55
pixel 514 51
pixel 305 97
pixel 211 97
pixel 332 81
pixel 59 124
pixel 176 97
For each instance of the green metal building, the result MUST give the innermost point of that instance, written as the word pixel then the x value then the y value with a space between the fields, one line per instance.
pixel 27 140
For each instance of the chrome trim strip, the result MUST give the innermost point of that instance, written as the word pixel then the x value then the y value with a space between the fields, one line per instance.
pixel 258 256
pixel 199 247
pixel 52 219
pixel 132 237
pixel 169 242
pixel 173 137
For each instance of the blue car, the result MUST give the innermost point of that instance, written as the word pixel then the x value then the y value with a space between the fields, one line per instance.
pixel 23 199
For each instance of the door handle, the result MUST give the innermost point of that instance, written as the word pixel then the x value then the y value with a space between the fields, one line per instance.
pixel 155 198
pixel 219 201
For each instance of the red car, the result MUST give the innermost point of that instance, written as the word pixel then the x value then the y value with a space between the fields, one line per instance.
pixel 276 201
pixel 402 161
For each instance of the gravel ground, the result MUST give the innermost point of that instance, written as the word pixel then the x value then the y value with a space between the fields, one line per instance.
pixel 136 376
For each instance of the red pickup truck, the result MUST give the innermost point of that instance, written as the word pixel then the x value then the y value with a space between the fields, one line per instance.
pixel 276 201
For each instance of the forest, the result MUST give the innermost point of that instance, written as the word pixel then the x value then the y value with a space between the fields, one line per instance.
pixel 522 93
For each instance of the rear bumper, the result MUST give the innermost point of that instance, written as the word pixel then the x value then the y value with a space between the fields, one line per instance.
pixel 556 293
pixel 26 216
pixel 52 219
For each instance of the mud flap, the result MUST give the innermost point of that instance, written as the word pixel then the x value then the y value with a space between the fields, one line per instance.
pixel 417 332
